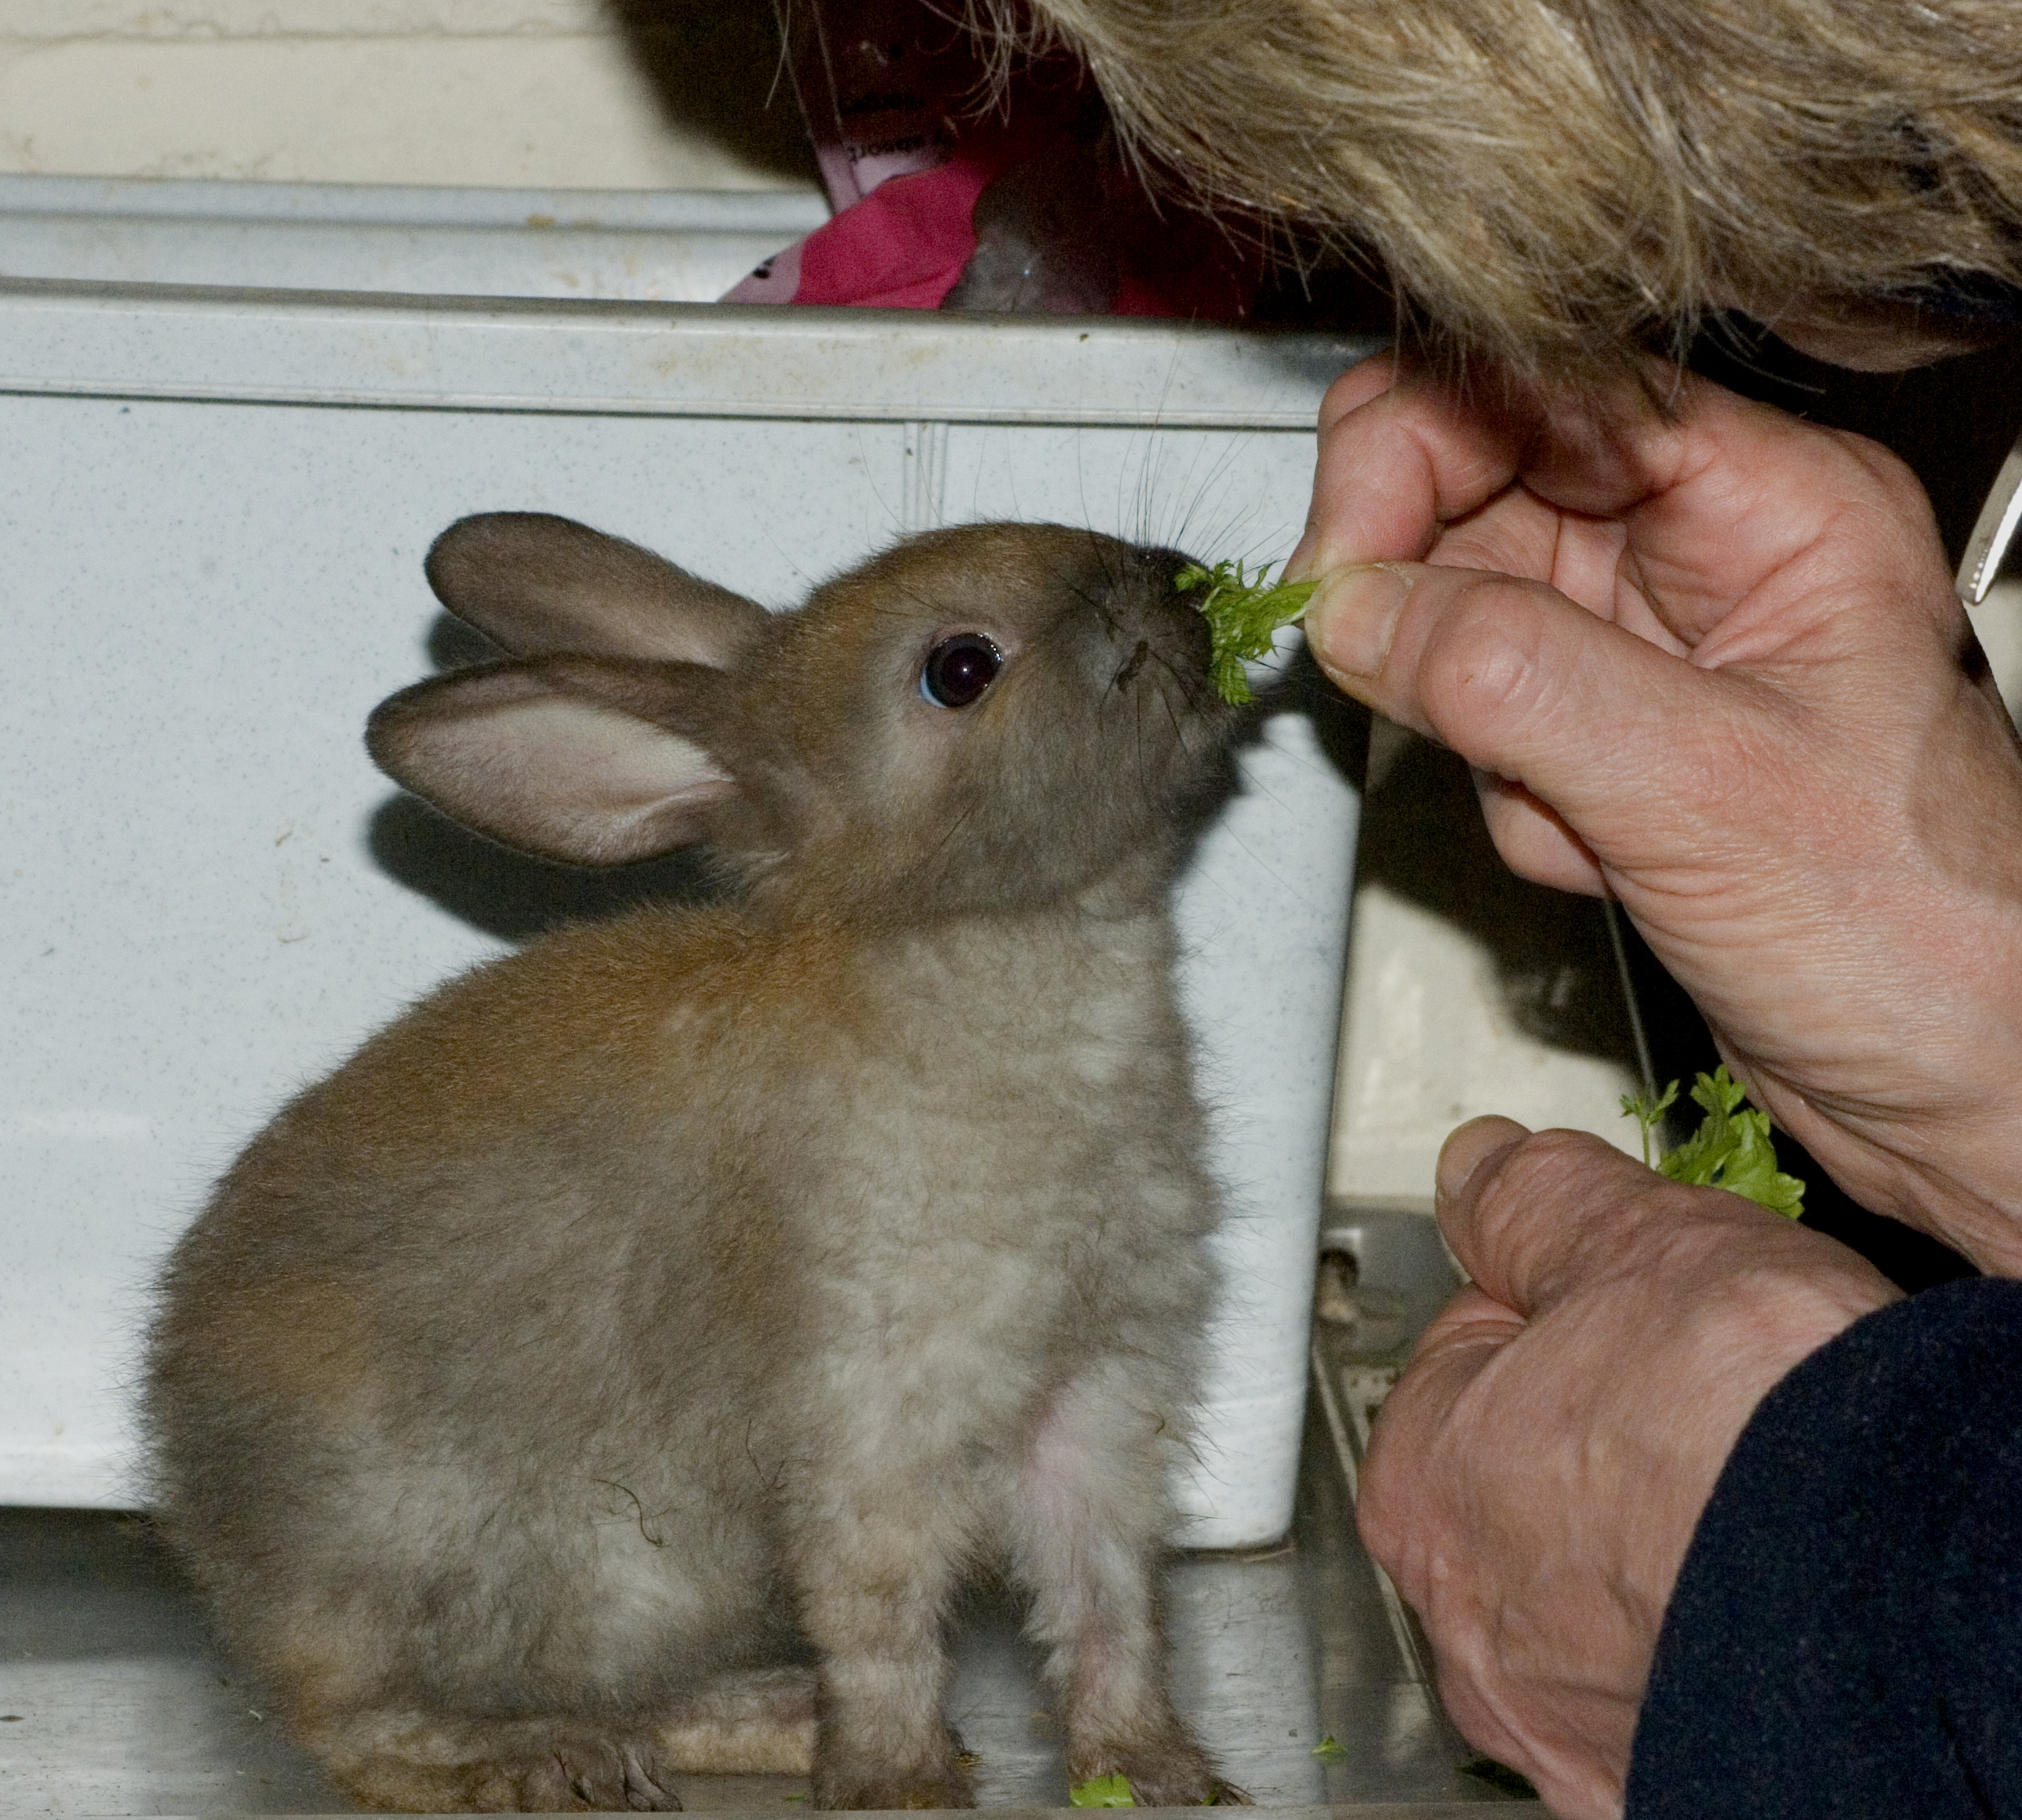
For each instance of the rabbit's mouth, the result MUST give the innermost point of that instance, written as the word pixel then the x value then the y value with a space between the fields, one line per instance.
pixel 1167 652
pixel 1135 662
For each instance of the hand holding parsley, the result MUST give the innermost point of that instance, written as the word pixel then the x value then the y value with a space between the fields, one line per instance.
pixel 1535 1478
pixel 1708 659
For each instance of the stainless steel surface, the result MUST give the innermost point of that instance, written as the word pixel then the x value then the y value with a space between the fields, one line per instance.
pixel 1384 1272
pixel 1993 531
pixel 113 1701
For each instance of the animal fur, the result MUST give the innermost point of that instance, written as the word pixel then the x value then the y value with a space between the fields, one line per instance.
pixel 615 1368
pixel 1558 182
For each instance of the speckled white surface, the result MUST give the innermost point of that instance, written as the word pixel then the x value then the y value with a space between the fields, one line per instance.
pixel 651 245
pixel 626 358
pixel 205 598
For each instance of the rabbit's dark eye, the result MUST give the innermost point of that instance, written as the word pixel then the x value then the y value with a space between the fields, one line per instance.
pixel 959 669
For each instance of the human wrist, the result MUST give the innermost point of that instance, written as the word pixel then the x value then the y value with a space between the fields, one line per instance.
pixel 1969 1195
pixel 1957 1176
pixel 1883 1029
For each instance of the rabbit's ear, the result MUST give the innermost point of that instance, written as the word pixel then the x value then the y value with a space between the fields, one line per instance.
pixel 535 583
pixel 573 758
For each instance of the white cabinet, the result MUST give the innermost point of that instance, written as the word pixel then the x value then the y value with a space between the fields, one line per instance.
pixel 215 506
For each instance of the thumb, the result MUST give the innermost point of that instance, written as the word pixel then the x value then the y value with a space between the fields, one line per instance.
pixel 1524 684
pixel 1533 1217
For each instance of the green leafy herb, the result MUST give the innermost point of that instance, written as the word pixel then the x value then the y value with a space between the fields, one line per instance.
pixel 1732 1149
pixel 1330 1750
pixel 1243 611
pixel 1647 1112
pixel 1103 1792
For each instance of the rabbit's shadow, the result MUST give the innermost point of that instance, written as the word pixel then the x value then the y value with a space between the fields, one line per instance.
pixel 512 895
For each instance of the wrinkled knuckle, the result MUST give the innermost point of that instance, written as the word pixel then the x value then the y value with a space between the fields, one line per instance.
pixel 1481 667
pixel 1357 387
pixel 1892 476
pixel 1550 1171
pixel 1541 1166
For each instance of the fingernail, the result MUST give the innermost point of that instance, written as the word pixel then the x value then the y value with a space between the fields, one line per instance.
pixel 1353 615
pixel 1467 1148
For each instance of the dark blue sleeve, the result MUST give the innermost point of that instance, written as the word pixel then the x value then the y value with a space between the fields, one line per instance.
pixel 1846 1639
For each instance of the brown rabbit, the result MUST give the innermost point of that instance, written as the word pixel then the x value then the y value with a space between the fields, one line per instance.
pixel 615 1368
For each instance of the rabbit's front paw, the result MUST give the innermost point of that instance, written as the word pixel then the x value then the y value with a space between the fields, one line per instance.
pixel 861 1787
pixel 1174 1772
pixel 528 1768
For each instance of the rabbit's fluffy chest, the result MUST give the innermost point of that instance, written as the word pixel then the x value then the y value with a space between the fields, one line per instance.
pixel 998 1082
pixel 1007 1194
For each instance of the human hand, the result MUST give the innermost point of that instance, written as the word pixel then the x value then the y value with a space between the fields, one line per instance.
pixel 1533 1482
pixel 1713 665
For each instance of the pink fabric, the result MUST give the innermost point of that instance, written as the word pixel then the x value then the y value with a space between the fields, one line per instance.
pixel 903 246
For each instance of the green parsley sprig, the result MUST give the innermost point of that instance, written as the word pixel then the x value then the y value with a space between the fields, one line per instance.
pixel 1732 1149
pixel 1116 1792
pixel 1243 612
